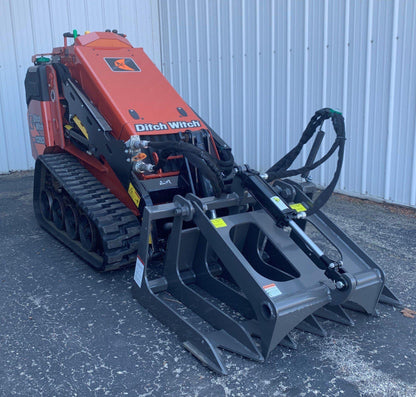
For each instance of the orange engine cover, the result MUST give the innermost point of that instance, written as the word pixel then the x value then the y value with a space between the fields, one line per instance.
pixel 126 87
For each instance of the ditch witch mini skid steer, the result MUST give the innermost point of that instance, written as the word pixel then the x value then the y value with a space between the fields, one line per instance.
pixel 128 174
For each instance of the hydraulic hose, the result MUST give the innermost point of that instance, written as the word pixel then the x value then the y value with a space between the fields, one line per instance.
pixel 280 169
pixel 199 158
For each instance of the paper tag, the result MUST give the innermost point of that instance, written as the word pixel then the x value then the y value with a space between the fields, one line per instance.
pixel 138 272
pixel 278 202
pixel 271 290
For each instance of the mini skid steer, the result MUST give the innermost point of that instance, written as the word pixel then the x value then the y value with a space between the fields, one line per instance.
pixel 128 174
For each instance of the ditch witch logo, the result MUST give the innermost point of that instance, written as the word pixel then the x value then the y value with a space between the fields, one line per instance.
pixel 173 125
pixel 122 65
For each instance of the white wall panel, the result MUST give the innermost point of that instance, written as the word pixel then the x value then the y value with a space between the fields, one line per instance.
pixel 36 26
pixel 255 70
pixel 258 70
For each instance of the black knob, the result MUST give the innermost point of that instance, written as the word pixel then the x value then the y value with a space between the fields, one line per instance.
pixel 134 114
pixel 182 112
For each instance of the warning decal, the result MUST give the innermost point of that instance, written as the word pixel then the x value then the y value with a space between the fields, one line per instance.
pixel 122 65
pixel 271 290
pixel 134 195
pixel 218 222
pixel 138 272
pixel 298 207
pixel 279 203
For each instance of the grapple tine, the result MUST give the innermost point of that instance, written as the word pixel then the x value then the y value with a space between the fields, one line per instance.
pixel 312 325
pixel 335 313
pixel 205 352
pixel 193 338
pixel 225 341
pixel 289 342
pixel 388 298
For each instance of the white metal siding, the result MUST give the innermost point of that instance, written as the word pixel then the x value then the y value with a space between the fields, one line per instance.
pixel 258 70
pixel 35 26
pixel 255 70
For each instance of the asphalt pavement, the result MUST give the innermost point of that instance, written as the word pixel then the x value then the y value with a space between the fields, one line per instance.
pixel 67 330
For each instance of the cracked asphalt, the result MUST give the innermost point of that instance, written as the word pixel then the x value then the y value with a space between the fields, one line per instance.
pixel 66 330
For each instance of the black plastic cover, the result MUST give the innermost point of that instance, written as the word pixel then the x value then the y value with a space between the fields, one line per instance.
pixel 36 84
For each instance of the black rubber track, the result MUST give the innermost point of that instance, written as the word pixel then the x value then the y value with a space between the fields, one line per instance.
pixel 117 226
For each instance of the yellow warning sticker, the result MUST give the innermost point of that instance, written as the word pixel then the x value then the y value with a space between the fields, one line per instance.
pixel 298 207
pixel 218 222
pixel 134 195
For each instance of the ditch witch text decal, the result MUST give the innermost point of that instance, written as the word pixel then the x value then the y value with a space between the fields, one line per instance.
pixel 170 125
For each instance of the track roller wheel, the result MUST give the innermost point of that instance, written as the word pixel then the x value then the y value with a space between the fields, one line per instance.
pixel 46 204
pixel 87 233
pixel 71 218
pixel 58 212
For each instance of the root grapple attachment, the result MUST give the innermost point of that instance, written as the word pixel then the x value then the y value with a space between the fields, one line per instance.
pixel 241 282
pixel 228 258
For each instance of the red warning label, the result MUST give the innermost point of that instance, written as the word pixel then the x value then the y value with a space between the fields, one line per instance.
pixel 271 290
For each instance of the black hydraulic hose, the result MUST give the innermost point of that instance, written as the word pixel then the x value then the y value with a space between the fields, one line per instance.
pixel 198 157
pixel 280 169
pixel 183 148
pixel 216 183
pixel 226 163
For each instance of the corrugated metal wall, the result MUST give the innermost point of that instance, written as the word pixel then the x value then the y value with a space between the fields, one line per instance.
pixel 34 26
pixel 257 71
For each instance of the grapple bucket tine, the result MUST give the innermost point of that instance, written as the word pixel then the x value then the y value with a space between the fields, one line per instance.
pixel 335 313
pixel 193 339
pixel 289 342
pixel 225 341
pixel 388 298
pixel 205 352
pixel 312 325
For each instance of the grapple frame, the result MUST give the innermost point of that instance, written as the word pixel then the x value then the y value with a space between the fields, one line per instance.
pixel 214 273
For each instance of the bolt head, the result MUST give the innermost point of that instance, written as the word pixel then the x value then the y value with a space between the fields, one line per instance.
pixel 302 215
pixel 339 285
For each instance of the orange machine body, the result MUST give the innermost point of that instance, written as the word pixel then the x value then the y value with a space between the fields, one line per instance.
pixel 126 87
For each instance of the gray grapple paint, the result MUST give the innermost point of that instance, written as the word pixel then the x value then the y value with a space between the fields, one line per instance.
pixel 242 283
